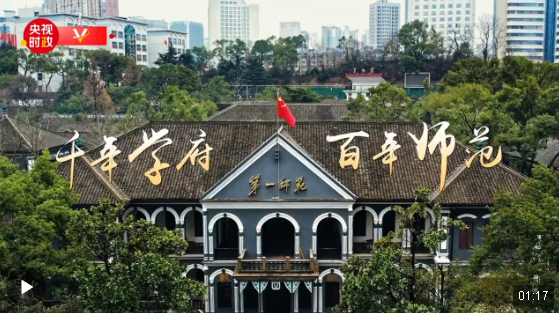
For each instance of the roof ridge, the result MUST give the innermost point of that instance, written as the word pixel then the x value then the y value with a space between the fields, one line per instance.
pixel 218 113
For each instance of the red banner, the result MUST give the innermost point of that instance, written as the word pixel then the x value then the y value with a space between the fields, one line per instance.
pixel 82 36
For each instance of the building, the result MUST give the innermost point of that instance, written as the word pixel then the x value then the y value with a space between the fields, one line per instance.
pixel 305 34
pixel 528 28
pixel 365 38
pixel 331 36
pixel 194 31
pixel 7 28
pixel 130 39
pixel 384 23
pixel 231 20
pixel 207 43
pixel 453 20
pixel 361 83
pixel 414 83
pixel 261 245
pixel 150 23
pixel 93 8
pixel 159 41
pixel 290 29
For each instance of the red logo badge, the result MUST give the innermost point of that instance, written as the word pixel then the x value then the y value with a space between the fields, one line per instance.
pixel 40 36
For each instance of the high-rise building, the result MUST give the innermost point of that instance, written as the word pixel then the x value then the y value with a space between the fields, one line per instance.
pixel 306 35
pixel 194 31
pixel 233 19
pixel 7 28
pixel 151 23
pixel 527 28
pixel 384 23
pixel 365 38
pixel 92 8
pixel 331 36
pixel 290 29
pixel 452 19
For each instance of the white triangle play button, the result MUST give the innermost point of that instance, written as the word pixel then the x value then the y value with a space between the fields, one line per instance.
pixel 25 287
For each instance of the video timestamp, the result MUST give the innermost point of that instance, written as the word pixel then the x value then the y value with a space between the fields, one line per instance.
pixel 542 296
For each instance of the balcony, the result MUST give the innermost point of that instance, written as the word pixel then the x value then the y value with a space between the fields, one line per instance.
pixel 195 248
pixel 226 253
pixel 365 247
pixel 329 253
pixel 279 268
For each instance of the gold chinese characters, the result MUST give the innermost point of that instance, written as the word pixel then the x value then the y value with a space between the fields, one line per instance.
pixel 284 183
pixel 75 152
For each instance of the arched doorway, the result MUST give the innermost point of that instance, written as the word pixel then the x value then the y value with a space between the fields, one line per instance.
pixel 332 285
pixel 329 239
pixel 192 220
pixel 226 239
pixel 278 238
pixel 196 274
pixel 165 220
pixel 363 232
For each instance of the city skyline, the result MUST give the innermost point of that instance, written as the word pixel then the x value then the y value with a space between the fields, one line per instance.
pixel 271 13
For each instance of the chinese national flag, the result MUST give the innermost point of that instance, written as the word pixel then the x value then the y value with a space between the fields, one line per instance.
pixel 285 113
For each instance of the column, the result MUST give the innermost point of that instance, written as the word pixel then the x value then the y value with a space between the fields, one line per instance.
pixel 236 293
pixel 297 244
pixel 377 231
pixel 242 300
pixel 260 304
pixel 241 242
pixel 296 301
pixel 344 246
pixel 206 296
pixel 205 222
pixel 211 245
pixel 314 248
pixel 212 301
pixel 350 225
pixel 442 253
pixel 314 295
pixel 180 226
pixel 320 296
pixel 258 245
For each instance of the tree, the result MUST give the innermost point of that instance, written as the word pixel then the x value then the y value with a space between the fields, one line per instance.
pixel 301 94
pixel 8 60
pixel 155 80
pixel 262 48
pixel 94 88
pixel 203 58
pixel 111 66
pixel 170 57
pixel 490 35
pixel 255 73
pixel 35 211
pixel 217 90
pixel 386 103
pixel 420 44
pixel 135 274
pixel 119 96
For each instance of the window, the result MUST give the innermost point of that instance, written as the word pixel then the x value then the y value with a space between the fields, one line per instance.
pixel 459 5
pixel 144 38
pixel 120 35
pixel 121 45
pixel 71 52
pixel 115 45
pixel 360 224
pixel 467 19
pixel 441 19
pixel 442 6
pixel 425 13
pixel 468 5
pixel 113 32
pixel 144 48
pixel 466 239
pixel 434 19
pixel 138 48
pixel 416 14
pixel 450 19
pixel 467 12
pixel 417 7
pixel 450 5
pixel 144 58
pixel 70 24
pixel 434 6
pixel 30 163
pixel 138 37
pixel 425 7
pixel 138 57
pixel 224 295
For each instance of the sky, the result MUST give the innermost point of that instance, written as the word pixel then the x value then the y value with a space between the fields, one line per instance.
pixel 312 14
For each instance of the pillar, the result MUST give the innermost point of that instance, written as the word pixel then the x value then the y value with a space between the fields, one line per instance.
pixel 320 296
pixel 241 242
pixel 350 237
pixel 206 298
pixel 242 301
pixel 296 301
pixel 236 295
pixel 297 244
pixel 205 222
pixel 443 251
pixel 314 248
pixel 258 245
pixel 211 245
pixel 260 303
pixel 344 245
pixel 212 300
pixel 314 295
pixel 183 232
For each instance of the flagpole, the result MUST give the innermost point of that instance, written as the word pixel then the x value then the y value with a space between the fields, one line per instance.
pixel 277 140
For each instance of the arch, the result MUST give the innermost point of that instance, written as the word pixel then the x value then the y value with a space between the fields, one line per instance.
pixel 486 216
pixel 370 210
pixel 274 215
pixel 383 212
pixel 466 216
pixel 229 215
pixel 129 210
pixel 169 209
pixel 431 214
pixel 194 266
pixel 188 210
pixel 220 271
pixel 425 267
pixel 330 271
pixel 328 215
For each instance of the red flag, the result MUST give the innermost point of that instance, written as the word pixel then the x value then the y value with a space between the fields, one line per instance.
pixel 285 113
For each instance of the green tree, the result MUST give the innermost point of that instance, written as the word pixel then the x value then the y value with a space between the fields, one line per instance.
pixel 262 48
pixel 35 210
pixel 386 103
pixel 170 57
pixel 420 45
pixel 155 80
pixel 203 58
pixel 135 275
pixel 255 73
pixel 300 94
pixel 120 95
pixel 8 60
pixel 216 90
pixel 111 66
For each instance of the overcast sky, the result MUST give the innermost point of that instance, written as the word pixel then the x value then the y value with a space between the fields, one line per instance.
pixel 312 14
